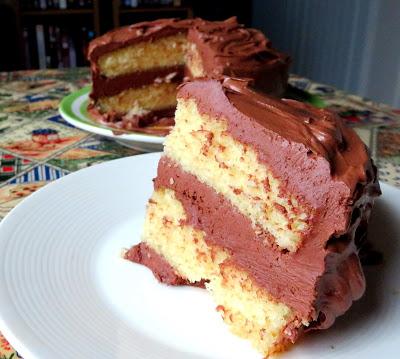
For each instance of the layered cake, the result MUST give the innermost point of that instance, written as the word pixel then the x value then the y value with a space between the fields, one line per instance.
pixel 265 203
pixel 136 69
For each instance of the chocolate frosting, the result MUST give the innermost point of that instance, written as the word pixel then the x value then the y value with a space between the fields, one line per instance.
pixel 318 160
pixel 228 48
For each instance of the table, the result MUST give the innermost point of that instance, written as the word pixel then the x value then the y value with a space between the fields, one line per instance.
pixel 29 117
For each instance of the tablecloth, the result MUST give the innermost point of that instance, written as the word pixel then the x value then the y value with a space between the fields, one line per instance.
pixel 28 116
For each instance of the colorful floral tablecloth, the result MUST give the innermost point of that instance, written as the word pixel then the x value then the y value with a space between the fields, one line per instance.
pixel 37 146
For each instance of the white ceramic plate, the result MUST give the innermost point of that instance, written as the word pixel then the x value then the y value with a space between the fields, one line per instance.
pixel 73 108
pixel 66 293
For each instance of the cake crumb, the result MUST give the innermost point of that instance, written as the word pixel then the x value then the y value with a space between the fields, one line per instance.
pixel 171 181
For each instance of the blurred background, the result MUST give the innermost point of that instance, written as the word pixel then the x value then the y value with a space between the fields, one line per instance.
pixel 351 44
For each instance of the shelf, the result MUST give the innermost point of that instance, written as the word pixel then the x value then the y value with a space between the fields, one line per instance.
pixel 57 12
pixel 154 9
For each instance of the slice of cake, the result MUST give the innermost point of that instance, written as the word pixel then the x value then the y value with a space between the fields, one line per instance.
pixel 264 202
pixel 136 69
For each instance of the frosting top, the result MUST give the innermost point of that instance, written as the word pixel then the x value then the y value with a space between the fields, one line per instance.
pixel 228 47
pixel 320 131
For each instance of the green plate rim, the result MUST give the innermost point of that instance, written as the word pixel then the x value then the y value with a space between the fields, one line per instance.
pixel 67 101
pixel 65 108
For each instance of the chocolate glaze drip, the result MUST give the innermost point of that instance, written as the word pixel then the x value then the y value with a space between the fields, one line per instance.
pixel 225 48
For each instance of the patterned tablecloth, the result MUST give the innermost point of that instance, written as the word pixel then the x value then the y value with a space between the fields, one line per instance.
pixel 37 146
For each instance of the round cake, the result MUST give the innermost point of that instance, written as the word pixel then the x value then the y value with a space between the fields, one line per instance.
pixel 136 69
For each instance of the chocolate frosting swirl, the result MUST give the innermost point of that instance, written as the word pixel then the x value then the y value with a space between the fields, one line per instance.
pixel 230 44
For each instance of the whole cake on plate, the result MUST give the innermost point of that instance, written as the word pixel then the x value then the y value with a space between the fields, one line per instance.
pixel 265 203
pixel 136 69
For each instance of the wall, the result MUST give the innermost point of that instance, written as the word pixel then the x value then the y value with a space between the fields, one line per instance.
pixel 351 44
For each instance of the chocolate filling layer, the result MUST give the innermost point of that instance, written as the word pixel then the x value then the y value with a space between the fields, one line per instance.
pixel 106 86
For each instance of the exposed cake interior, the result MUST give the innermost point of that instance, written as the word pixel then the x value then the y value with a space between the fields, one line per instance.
pixel 265 203
pixel 159 66
pixel 233 170
pixel 142 100
pixel 246 307
pixel 161 53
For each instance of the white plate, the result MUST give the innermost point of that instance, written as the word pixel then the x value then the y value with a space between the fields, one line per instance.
pixel 73 108
pixel 66 293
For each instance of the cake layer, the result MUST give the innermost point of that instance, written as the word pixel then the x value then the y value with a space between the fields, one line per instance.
pixel 103 86
pixel 247 308
pixel 163 52
pixel 203 147
pixel 164 220
pixel 291 278
pixel 194 63
pixel 140 101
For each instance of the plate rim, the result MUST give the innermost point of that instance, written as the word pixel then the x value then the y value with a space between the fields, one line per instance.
pixel 7 331
pixel 66 112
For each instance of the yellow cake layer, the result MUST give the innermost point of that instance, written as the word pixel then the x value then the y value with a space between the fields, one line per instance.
pixel 248 309
pixel 138 101
pixel 164 52
pixel 193 62
pixel 204 148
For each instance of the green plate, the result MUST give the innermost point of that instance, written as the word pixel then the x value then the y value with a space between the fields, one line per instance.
pixel 73 108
